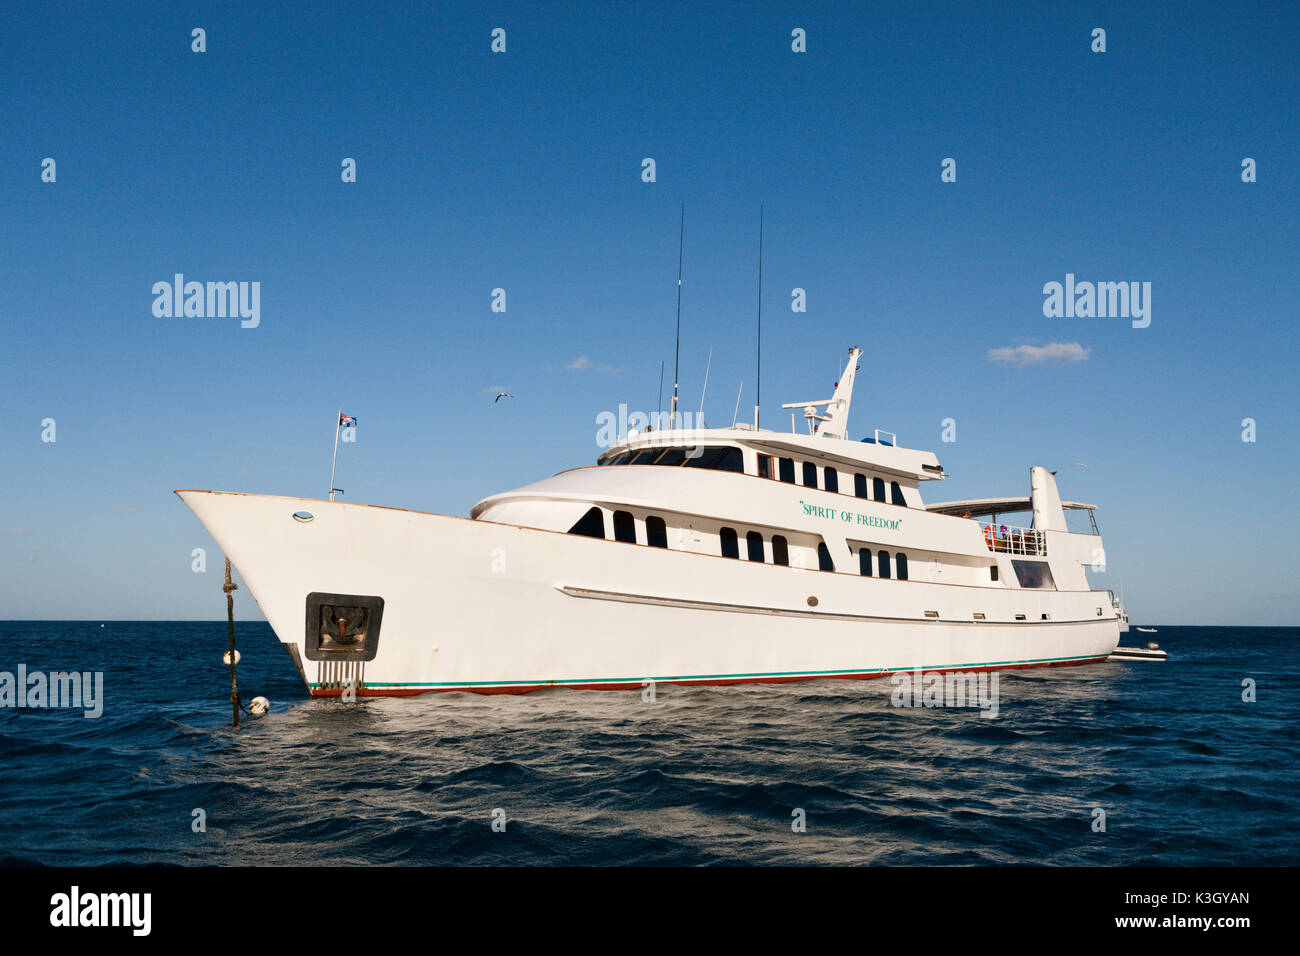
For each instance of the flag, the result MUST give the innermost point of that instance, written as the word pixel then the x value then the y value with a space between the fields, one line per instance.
pixel 346 421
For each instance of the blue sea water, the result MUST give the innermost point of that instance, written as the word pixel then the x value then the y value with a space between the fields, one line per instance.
pixel 1186 772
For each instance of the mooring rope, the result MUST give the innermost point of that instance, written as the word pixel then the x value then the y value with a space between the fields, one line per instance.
pixel 230 587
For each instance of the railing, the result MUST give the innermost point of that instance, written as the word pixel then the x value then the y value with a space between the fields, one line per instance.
pixel 1006 540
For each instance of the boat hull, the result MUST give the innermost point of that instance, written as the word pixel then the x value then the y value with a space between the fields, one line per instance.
pixel 473 605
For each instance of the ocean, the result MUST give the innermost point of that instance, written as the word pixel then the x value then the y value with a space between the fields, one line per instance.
pixel 1110 764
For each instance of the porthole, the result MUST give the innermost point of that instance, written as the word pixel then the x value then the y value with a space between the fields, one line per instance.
pixel 812 601
pixel 303 516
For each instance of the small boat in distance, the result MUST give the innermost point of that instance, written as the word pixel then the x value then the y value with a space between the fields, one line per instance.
pixel 1151 652
pixel 1147 630
pixel 682 555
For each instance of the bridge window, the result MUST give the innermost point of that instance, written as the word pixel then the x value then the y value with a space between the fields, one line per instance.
pixel 730 547
pixel 896 494
pixel 787 470
pixel 780 550
pixel 884 563
pixel 809 475
pixel 624 527
pixel 824 561
pixel 645 456
pixel 656 532
pixel 901 560
pixel 591 525
pixel 878 488
pixel 864 562
pixel 860 486
pixel 831 479
pixel 765 466
pixel 725 458
pixel 754 542
pixel 671 456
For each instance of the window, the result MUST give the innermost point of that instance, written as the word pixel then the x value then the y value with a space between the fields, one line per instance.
pixel 780 550
pixel 725 458
pixel 933 614
pixel 884 563
pixel 765 466
pixel 900 560
pixel 1034 574
pixel 646 456
pixel 671 456
pixel 624 527
pixel 864 562
pixel 860 486
pixel 730 547
pixel 591 525
pixel 896 494
pixel 656 532
pixel 809 475
pixel 979 616
pixel 617 459
pixel 754 542
pixel 831 479
pixel 993 572
pixel 824 561
pixel 878 488
pixel 787 470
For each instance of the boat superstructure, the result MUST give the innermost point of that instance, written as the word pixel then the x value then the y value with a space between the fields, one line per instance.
pixel 705 555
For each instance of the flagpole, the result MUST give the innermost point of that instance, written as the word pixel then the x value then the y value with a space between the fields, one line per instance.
pixel 337 418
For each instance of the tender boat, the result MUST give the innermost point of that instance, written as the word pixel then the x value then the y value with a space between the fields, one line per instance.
pixel 695 556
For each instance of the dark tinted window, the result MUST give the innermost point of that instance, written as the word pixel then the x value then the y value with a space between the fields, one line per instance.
pixel 780 550
pixel 809 475
pixel 993 572
pixel 896 494
pixel 765 466
pixel 860 485
pixel 592 524
pixel 1033 574
pixel 884 563
pixel 754 542
pixel 656 532
pixel 645 457
pixel 730 547
pixel 824 557
pixel 864 562
pixel 624 527
pixel 727 458
pixel 878 488
pixel 901 560
pixel 787 469
pixel 671 456
pixel 832 479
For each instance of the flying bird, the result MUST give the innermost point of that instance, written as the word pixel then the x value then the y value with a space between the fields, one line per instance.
pixel 501 395
pixel 1081 464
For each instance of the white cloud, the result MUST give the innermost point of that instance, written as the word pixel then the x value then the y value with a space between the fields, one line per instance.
pixel 19 532
pixel 578 364
pixel 1055 353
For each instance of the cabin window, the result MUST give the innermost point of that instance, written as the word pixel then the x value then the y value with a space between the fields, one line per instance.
pixel 765 466
pixel 591 525
pixel 730 547
pixel 646 456
pixel 671 456
pixel 1034 574
pixel 824 561
pixel 809 475
pixel 896 494
pixel 884 563
pixel 780 550
pixel 624 527
pixel 878 488
pixel 754 542
pixel 900 560
pixel 620 459
pixel 787 470
pixel 656 532
pixel 864 562
pixel 831 479
pixel 860 486
pixel 993 572
pixel 725 458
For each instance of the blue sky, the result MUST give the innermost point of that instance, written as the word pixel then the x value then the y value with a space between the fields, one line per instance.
pixel 522 171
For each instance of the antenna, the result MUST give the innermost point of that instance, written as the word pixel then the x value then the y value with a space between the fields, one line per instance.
pixel 700 417
pixel 660 407
pixel 758 388
pixel 677 346
pixel 736 413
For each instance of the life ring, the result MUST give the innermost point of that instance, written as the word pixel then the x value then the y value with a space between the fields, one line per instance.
pixel 988 535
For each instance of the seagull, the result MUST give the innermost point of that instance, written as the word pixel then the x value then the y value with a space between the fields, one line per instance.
pixel 501 395
pixel 1081 464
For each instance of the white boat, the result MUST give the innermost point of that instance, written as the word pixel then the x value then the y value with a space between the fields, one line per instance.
pixel 700 556
pixel 1147 630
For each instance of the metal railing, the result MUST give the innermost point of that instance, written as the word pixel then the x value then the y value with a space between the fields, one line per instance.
pixel 1005 540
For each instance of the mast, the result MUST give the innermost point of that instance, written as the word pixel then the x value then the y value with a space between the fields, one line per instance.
pixel 758 387
pixel 677 345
